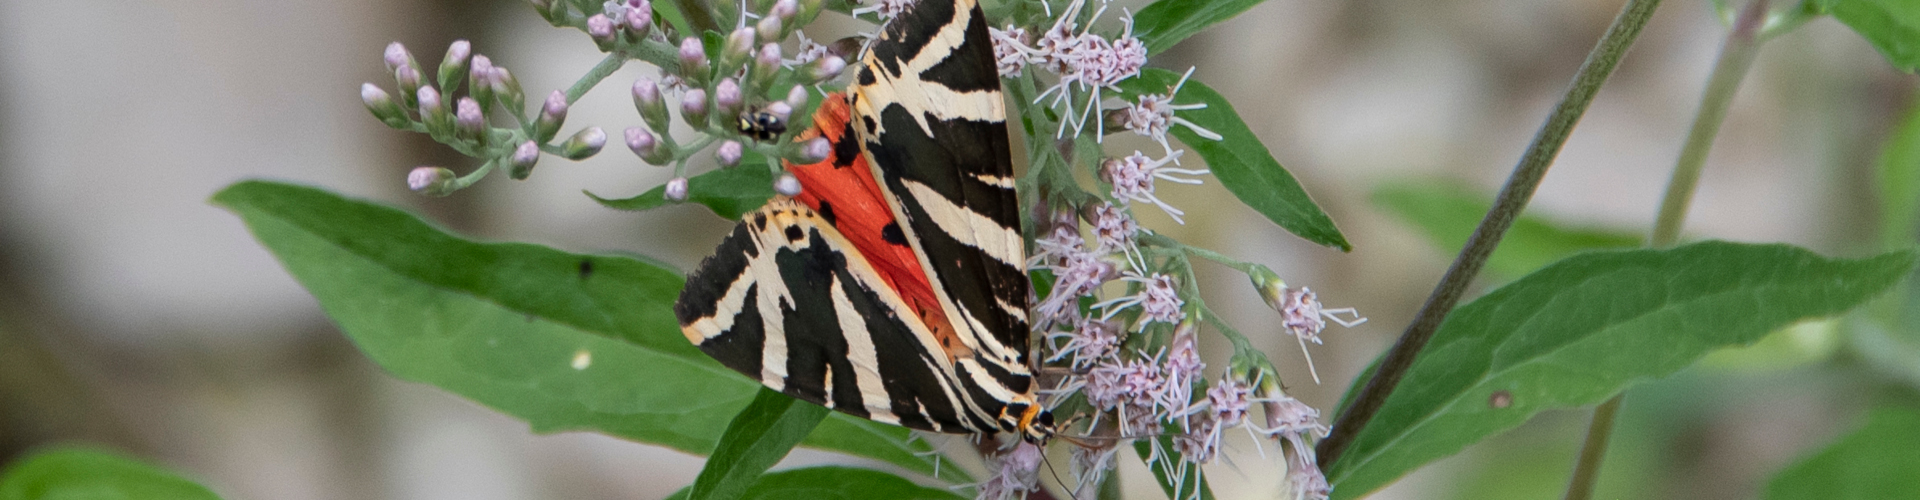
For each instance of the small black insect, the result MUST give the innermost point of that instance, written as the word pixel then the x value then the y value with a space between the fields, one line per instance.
pixel 761 125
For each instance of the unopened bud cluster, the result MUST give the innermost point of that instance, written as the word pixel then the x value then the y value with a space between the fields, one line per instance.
pixel 461 106
pixel 477 107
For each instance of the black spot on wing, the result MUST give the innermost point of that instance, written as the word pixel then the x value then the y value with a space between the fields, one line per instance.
pixel 891 233
pixel 739 347
pixel 794 234
pixel 826 212
pixel 971 66
pixel 701 297
pixel 847 149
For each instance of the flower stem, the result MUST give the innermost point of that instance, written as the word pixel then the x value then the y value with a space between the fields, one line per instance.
pixel 1587 472
pixel 607 66
pixel 1736 56
pixel 1513 198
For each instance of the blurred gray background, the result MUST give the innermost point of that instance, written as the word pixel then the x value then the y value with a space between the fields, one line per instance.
pixel 135 315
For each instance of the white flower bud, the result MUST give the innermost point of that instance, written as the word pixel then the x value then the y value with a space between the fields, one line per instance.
pixel 825 68
pixel 454 64
pixel 729 153
pixel 383 107
pixel 601 29
pixel 507 88
pixel 677 189
pixel 816 150
pixel 431 181
pixel 430 106
pixel 639 18
pixel 734 52
pixel 552 114
pixel 467 118
pixel 770 29
pixel 787 185
pixel 584 144
pixel 693 108
pixel 480 80
pixel 727 97
pixel 397 57
pixel 646 100
pixel 693 61
pixel 524 156
pixel 799 97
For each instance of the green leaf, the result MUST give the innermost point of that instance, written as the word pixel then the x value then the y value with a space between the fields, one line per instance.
pixel 563 341
pixel 1447 213
pixel 1899 182
pixel 759 437
pixel 836 483
pixel 668 13
pixel 1239 160
pixel 1177 477
pixel 1892 26
pixel 74 473
pixel 1167 22
pixel 728 192
pixel 1585 328
pixel 1877 461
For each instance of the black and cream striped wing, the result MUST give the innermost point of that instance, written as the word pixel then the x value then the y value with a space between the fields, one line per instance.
pixel 928 104
pixel 788 301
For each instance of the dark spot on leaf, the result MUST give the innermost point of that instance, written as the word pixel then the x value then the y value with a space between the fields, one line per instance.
pixel 586 268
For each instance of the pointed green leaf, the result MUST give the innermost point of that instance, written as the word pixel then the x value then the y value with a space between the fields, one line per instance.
pixel 563 341
pixel 1447 213
pixel 836 483
pixel 1239 160
pixel 728 192
pixel 1581 330
pixel 1877 461
pixel 759 437
pixel 1892 26
pixel 1167 22
pixel 73 473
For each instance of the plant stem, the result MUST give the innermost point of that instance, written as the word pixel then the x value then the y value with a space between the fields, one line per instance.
pixel 1736 56
pixel 1587 472
pixel 1513 198
pixel 607 66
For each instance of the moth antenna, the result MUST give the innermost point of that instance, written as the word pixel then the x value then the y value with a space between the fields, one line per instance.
pixel 1056 475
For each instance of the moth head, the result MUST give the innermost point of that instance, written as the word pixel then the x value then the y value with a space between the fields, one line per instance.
pixel 1034 423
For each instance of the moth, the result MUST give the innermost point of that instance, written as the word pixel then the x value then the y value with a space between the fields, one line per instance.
pixel 893 287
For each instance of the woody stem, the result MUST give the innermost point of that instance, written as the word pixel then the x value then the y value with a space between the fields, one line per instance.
pixel 1513 198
